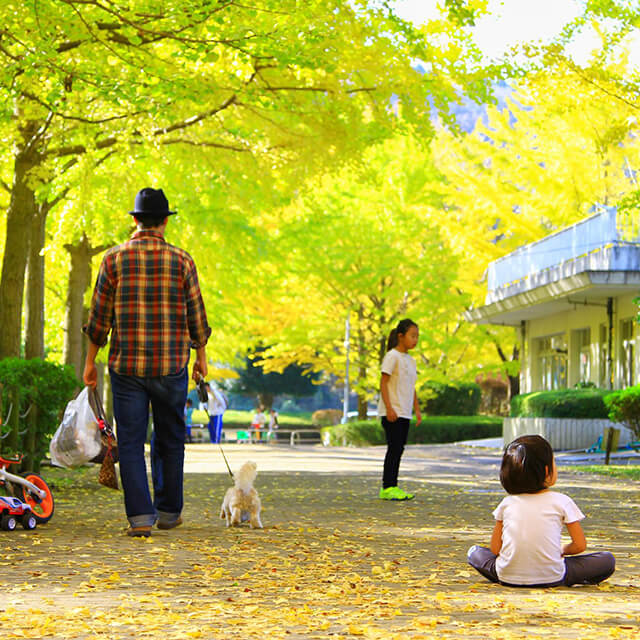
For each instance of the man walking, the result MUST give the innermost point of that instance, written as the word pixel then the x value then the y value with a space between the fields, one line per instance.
pixel 147 295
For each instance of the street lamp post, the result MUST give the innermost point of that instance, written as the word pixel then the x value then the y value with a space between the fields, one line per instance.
pixel 345 397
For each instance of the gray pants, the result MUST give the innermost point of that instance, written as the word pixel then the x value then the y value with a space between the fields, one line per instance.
pixel 590 568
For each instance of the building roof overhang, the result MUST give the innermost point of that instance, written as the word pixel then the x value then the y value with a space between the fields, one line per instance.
pixel 557 295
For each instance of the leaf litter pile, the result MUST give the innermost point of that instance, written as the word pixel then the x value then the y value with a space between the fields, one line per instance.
pixel 332 562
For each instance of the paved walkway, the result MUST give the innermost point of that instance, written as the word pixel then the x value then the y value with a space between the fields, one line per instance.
pixel 332 561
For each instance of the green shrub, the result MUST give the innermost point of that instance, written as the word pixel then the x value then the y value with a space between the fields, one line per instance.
pixel 41 384
pixel 355 434
pixel 326 417
pixel 624 407
pixel 563 403
pixel 432 430
pixel 451 399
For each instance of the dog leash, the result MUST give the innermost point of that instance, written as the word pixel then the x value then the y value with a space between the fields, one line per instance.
pixel 204 398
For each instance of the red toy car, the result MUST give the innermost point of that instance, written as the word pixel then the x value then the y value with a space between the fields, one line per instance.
pixel 12 510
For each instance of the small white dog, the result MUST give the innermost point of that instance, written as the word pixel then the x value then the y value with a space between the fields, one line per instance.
pixel 242 502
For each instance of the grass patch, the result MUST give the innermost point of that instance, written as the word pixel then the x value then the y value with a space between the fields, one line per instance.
pixel 242 419
pixel 245 417
pixel 627 471
pixel 432 430
pixel 59 478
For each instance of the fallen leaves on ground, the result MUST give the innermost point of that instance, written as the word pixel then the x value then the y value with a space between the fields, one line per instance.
pixel 332 562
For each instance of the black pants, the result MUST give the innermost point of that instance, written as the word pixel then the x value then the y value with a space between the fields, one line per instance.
pixel 396 433
pixel 590 568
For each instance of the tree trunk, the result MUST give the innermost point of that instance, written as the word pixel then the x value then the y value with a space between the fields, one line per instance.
pixel 20 214
pixel 34 336
pixel 265 400
pixel 514 381
pixel 74 349
pixel 362 406
pixel 362 367
pixel 31 462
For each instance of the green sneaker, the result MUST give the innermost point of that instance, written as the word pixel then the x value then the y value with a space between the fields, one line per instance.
pixel 394 493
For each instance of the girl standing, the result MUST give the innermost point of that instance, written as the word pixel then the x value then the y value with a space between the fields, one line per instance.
pixel 397 399
pixel 525 544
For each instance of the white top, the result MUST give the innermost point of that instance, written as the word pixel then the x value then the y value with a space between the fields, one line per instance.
pixel 217 404
pixel 532 524
pixel 401 368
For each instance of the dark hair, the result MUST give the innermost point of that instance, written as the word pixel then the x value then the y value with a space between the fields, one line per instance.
pixel 150 223
pixel 402 328
pixel 525 465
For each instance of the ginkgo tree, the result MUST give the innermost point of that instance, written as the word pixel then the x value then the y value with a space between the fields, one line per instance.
pixel 558 150
pixel 288 86
pixel 365 243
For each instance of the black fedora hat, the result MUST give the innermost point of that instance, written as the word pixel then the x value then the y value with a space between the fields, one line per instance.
pixel 151 203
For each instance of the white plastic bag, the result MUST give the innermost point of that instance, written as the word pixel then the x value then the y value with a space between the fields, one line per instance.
pixel 77 439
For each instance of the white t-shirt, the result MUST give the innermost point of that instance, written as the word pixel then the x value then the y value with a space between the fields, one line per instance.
pixel 532 524
pixel 401 368
pixel 217 404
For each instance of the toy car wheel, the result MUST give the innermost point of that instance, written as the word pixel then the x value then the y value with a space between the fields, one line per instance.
pixel 29 521
pixel 8 523
pixel 42 509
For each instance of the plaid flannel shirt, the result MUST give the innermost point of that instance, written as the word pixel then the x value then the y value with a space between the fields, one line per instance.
pixel 147 294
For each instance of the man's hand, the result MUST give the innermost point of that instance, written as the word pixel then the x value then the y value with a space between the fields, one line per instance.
pixel 418 417
pixel 90 375
pixel 392 416
pixel 200 365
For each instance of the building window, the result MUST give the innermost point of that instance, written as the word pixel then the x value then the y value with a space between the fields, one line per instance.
pixel 604 381
pixel 627 353
pixel 552 362
pixel 582 342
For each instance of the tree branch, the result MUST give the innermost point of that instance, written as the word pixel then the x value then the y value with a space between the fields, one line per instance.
pixel 195 119
pixel 78 149
pixel 204 143
pixel 64 116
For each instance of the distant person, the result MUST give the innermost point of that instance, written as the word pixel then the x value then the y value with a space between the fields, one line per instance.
pixel 188 423
pixel 148 298
pixel 216 406
pixel 273 424
pixel 258 422
pixel 397 399
pixel 526 550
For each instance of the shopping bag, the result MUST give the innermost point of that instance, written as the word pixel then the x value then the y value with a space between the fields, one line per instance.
pixel 78 438
pixel 107 474
pixel 108 436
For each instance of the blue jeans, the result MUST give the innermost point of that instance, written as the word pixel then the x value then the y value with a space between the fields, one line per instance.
pixel 215 428
pixel 131 398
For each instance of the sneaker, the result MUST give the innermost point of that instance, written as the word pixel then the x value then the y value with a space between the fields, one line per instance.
pixel 169 525
pixel 394 493
pixel 138 532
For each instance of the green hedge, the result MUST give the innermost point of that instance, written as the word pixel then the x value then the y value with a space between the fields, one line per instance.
pixel 41 384
pixel 461 399
pixel 564 403
pixel 624 407
pixel 432 430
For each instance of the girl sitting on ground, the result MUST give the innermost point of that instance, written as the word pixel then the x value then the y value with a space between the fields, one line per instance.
pixel 526 550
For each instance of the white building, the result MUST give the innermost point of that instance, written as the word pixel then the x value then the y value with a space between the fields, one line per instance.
pixel 571 295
